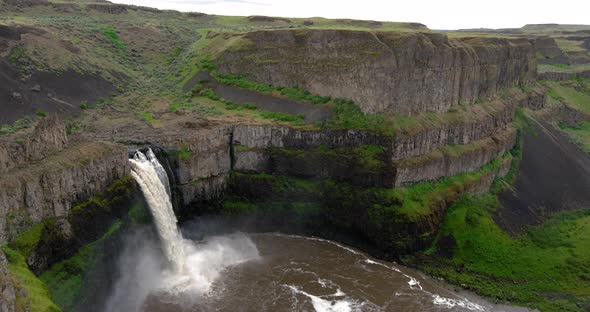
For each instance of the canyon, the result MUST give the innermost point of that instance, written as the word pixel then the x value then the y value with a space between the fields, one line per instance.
pixel 366 136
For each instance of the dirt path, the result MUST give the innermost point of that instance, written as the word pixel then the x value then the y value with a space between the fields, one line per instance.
pixel 554 175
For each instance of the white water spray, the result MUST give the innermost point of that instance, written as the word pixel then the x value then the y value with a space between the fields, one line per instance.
pixel 153 180
pixel 188 267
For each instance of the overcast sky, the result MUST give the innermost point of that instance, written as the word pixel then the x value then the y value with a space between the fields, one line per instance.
pixel 436 14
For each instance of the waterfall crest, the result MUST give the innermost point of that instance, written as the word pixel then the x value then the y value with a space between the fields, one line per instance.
pixel 153 180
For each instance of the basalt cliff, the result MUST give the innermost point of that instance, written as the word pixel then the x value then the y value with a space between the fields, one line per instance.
pixel 384 72
pixel 366 136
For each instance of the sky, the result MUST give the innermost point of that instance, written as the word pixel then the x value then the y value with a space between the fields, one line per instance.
pixel 436 14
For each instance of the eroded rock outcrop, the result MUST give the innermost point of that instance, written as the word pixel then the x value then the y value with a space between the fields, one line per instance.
pixel 454 160
pixel 47 137
pixel 50 187
pixel 407 73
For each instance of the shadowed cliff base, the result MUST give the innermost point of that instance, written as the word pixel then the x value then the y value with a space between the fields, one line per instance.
pixel 554 175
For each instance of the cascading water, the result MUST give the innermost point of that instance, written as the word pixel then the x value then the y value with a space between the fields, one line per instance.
pixel 153 180
pixel 188 267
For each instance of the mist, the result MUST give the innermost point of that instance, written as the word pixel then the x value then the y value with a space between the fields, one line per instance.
pixel 144 272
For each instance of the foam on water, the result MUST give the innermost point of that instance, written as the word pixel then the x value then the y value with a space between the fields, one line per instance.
pixel 336 302
pixel 452 303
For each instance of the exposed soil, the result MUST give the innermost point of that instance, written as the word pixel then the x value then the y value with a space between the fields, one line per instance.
pixel 61 93
pixel 554 175
pixel 313 113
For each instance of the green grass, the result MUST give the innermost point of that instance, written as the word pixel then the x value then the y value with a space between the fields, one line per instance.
pixel 37 292
pixel 548 267
pixel 40 113
pixel 420 199
pixel 580 133
pixel 27 241
pixel 111 34
pixel 184 153
pixel 295 94
pixel 65 278
pixel 347 115
pixel 569 96
pixel 22 123
pixel 148 116
pixel 236 207
pixel 370 156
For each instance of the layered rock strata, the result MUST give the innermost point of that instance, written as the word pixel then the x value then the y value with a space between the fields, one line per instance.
pixel 383 72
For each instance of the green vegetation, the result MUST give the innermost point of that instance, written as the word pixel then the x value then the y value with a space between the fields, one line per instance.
pixel 174 54
pixel 111 34
pixel 236 207
pixel 40 113
pixel 369 156
pixel 349 116
pixel 580 133
pixel 37 292
pixel 546 268
pixel 28 240
pixel 184 153
pixel 65 278
pixel 295 94
pixel 147 116
pixel 22 123
pixel 569 96
pixel 420 199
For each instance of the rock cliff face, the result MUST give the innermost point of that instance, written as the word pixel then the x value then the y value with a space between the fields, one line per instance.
pixel 407 73
pixel 454 160
pixel 9 288
pixel 43 177
pixel 48 137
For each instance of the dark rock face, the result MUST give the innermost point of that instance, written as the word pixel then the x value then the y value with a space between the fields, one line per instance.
pixel 407 73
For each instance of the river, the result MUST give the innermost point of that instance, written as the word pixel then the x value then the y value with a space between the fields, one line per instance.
pixel 294 273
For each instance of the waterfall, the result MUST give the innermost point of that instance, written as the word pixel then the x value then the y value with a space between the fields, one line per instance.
pixel 153 180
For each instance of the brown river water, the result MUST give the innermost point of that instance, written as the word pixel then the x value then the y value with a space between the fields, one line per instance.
pixel 294 273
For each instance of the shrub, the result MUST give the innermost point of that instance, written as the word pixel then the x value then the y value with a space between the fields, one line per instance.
pixel 22 123
pixel 249 105
pixel 111 34
pixel 40 113
pixel 184 153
